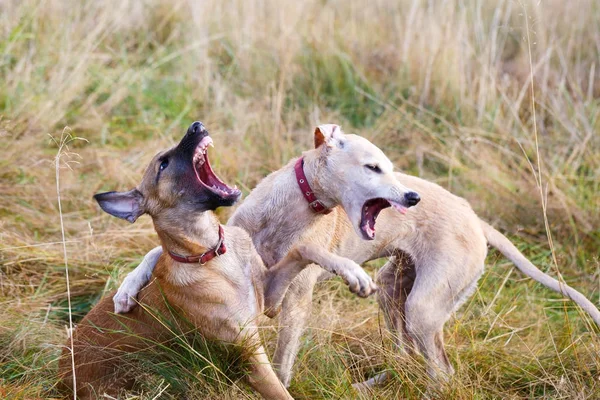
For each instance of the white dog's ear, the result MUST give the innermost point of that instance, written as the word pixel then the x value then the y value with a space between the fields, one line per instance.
pixel 327 134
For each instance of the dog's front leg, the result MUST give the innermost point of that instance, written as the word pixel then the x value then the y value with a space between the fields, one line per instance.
pixel 281 275
pixel 353 274
pixel 124 299
pixel 261 375
pixel 279 278
pixel 295 312
pixel 263 379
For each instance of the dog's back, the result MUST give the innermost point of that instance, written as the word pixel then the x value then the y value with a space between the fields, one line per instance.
pixel 102 337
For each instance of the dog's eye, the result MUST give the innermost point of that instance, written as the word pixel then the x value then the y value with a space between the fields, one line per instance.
pixel 373 167
pixel 164 164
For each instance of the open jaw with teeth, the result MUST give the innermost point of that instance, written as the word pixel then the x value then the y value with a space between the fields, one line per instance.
pixel 206 175
pixel 371 210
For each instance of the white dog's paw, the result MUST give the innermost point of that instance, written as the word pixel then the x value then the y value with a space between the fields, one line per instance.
pixel 123 302
pixel 362 388
pixel 125 298
pixel 357 279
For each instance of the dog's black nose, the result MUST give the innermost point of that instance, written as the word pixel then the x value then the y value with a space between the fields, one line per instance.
pixel 412 198
pixel 196 128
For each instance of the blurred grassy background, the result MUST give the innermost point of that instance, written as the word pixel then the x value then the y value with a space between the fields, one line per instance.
pixel 443 88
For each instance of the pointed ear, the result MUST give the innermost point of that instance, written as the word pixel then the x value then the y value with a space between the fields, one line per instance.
pixel 326 133
pixel 126 205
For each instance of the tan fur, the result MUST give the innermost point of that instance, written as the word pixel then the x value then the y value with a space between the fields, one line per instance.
pixel 437 251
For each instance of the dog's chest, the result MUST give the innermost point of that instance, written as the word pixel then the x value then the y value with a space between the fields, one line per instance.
pixel 226 284
pixel 244 277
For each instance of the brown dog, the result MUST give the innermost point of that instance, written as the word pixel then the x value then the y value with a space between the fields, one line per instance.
pixel 220 291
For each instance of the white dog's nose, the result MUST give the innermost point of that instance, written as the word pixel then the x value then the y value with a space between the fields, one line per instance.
pixel 412 198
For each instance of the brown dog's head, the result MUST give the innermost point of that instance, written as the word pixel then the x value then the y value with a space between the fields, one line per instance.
pixel 178 183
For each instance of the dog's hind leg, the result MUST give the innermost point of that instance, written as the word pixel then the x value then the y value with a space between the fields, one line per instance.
pixel 295 312
pixel 96 371
pixel 438 288
pixel 395 280
pixel 427 310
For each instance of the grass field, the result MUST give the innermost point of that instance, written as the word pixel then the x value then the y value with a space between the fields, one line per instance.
pixel 445 88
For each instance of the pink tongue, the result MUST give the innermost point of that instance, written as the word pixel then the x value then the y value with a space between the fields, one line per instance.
pixel 399 207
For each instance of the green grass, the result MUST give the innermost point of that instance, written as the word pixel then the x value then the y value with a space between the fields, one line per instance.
pixel 442 87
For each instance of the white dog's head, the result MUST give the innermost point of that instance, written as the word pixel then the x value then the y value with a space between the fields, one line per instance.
pixel 355 173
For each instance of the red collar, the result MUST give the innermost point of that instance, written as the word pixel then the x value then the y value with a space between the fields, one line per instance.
pixel 313 203
pixel 207 255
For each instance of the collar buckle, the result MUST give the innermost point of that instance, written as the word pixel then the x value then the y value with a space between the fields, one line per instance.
pixel 202 258
pixel 317 206
pixel 218 246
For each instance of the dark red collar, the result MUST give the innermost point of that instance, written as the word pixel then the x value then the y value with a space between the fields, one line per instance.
pixel 206 256
pixel 313 203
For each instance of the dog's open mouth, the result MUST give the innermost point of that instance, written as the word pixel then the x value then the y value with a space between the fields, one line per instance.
pixel 206 176
pixel 371 210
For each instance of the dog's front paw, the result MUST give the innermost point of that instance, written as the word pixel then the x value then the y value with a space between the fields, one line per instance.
pixel 123 302
pixel 366 387
pixel 125 298
pixel 358 280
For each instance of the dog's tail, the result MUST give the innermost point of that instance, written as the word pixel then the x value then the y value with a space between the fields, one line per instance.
pixel 505 246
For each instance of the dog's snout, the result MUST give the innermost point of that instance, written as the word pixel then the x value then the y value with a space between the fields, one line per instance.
pixel 194 135
pixel 412 198
pixel 196 128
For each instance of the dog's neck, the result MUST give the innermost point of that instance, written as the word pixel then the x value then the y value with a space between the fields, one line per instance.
pixel 313 167
pixel 188 236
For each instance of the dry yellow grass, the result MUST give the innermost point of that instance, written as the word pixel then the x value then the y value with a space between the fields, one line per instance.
pixel 443 87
